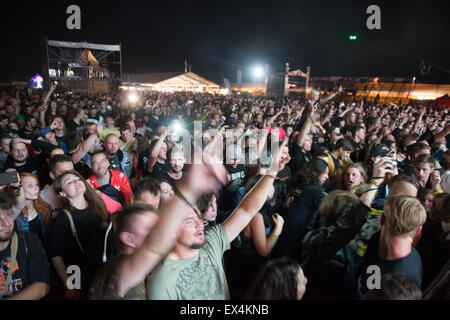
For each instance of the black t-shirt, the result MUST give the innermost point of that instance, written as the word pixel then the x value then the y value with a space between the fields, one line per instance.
pixel 31 165
pixel 31 264
pixel 236 177
pixel 299 160
pixel 409 266
pixel 61 242
pixel 165 176
pixel 35 227
pixel 299 215
pixel 73 126
pixel 160 170
pixel 24 133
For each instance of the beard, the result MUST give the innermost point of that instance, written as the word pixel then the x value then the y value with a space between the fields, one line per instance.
pixel 198 245
pixel 6 236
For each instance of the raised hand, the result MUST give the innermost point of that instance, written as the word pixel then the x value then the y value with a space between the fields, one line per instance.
pixel 278 222
pixel 279 160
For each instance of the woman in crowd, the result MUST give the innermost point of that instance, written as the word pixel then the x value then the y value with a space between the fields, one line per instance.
pixel 166 191
pixel 33 214
pixel 306 193
pixel 80 234
pixel 279 279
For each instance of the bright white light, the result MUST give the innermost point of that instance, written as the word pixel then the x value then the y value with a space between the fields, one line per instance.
pixel 132 98
pixel 258 72
pixel 177 127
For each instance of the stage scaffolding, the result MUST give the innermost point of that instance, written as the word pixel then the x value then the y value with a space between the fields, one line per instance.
pixel 82 66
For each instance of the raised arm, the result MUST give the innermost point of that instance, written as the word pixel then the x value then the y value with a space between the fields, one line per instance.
pixel 161 239
pixel 84 148
pixel 331 96
pixel 255 198
pixel 263 244
pixel 442 134
pixel 155 151
pixel 419 119
pixel 300 138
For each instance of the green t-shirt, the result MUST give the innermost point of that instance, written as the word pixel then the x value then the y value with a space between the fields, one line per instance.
pixel 105 284
pixel 198 278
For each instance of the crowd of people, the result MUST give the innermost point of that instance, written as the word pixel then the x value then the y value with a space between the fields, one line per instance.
pixel 300 197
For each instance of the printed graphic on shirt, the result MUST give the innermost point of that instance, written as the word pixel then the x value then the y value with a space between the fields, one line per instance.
pixel 199 282
pixel 16 285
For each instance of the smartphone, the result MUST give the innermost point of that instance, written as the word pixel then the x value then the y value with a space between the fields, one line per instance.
pixel 391 160
pixel 8 177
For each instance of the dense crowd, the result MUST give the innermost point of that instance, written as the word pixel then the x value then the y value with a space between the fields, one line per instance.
pixel 308 196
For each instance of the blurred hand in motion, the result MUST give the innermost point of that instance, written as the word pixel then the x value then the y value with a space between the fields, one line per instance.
pixel 205 177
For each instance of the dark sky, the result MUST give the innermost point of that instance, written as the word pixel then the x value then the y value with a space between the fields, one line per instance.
pixel 217 37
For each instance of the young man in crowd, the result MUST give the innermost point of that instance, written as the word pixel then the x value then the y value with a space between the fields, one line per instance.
pixel 148 190
pixel 193 270
pixel 113 184
pixel 25 270
pixel 391 250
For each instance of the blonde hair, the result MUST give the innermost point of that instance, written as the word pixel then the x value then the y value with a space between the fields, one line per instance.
pixel 332 205
pixel 403 215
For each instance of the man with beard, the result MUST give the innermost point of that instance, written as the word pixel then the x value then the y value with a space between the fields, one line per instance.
pixel 20 160
pixel 118 159
pixel 194 270
pixel 25 271
pixel 176 159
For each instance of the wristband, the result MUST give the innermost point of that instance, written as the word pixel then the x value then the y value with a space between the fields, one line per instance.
pixel 372 181
pixel 271 175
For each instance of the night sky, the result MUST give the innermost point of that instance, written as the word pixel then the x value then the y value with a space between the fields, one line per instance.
pixel 217 37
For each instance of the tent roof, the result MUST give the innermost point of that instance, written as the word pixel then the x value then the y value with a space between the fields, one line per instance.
pixel 83 45
pixel 169 79
pixel 87 55
pixel 153 77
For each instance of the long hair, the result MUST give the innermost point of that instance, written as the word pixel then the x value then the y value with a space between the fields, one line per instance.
pixel 39 205
pixel 94 201
pixel 277 280
pixel 307 175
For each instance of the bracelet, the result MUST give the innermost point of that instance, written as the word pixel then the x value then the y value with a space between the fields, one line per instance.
pixel 271 175
pixel 373 189
pixel 377 177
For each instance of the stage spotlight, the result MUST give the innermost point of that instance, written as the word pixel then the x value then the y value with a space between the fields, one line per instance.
pixel 258 72
pixel 132 97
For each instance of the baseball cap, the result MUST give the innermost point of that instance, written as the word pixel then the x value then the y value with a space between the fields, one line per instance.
pixel 379 150
pixel 281 132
